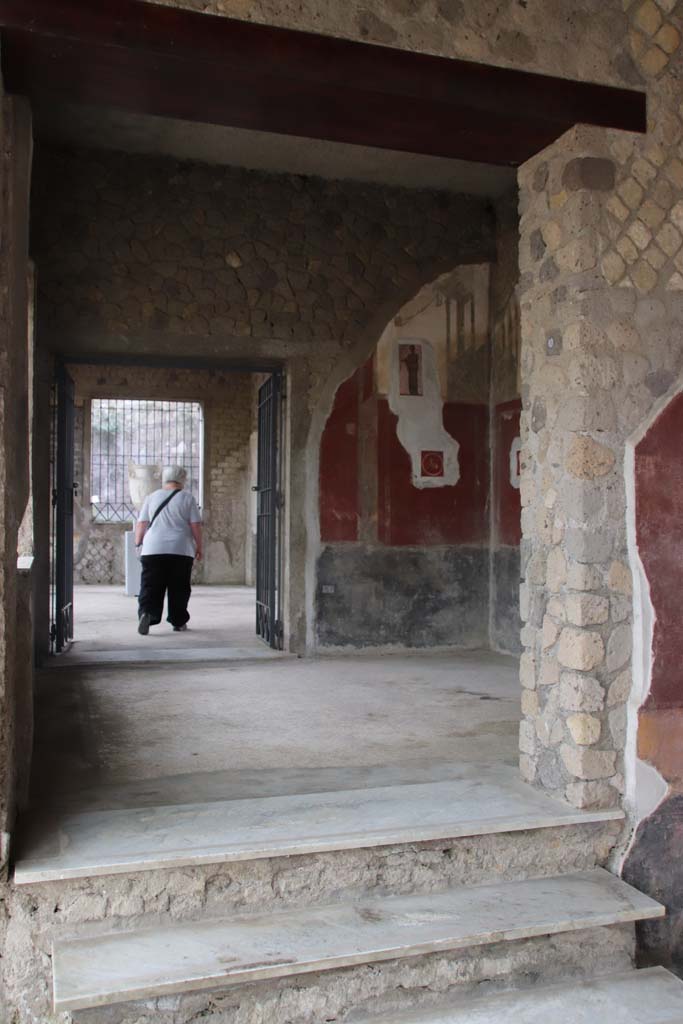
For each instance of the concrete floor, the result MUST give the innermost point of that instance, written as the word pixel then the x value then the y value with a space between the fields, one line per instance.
pixel 222 626
pixel 138 735
pixel 113 730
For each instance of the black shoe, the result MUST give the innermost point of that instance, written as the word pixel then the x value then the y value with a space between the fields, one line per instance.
pixel 180 629
pixel 143 624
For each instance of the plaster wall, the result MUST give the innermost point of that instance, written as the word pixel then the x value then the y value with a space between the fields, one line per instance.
pixel 438 558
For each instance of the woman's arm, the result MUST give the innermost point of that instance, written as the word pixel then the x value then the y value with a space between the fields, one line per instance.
pixel 197 534
pixel 140 531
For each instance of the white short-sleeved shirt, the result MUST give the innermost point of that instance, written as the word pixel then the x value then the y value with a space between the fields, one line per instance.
pixel 171 533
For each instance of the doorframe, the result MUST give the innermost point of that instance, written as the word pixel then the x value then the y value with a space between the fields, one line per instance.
pixel 277 368
pixel 270 507
pixel 62 497
pixel 175 362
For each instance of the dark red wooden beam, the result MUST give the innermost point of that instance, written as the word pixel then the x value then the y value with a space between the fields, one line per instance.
pixel 149 58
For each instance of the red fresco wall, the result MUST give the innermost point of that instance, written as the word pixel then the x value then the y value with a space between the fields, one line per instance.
pixel 654 861
pixel 406 515
pixel 409 515
pixel 659 528
pixel 507 505
pixel 339 498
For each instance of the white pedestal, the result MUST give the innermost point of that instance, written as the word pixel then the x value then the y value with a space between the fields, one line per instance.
pixel 133 566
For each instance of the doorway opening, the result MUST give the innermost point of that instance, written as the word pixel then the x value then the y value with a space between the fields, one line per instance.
pixel 307 271
pixel 115 427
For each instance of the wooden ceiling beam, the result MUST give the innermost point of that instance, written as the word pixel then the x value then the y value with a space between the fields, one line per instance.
pixel 148 58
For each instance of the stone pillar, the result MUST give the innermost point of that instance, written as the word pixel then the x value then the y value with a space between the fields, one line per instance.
pixel 601 293
pixel 601 256
pixel 575 379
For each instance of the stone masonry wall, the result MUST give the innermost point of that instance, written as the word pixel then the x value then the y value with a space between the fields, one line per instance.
pixel 602 303
pixel 146 255
pixel 136 245
pixel 15 170
pixel 227 400
pixel 99 555
pixel 587 39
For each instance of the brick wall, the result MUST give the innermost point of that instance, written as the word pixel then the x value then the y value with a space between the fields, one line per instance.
pixel 227 485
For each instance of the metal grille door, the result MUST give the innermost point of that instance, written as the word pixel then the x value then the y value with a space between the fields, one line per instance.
pixel 147 432
pixel 62 629
pixel 268 509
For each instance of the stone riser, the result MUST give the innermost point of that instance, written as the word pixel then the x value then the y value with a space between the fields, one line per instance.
pixel 387 987
pixel 104 904
pixel 94 905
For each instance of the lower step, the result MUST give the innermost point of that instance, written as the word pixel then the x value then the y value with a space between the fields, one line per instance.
pixel 201 955
pixel 653 996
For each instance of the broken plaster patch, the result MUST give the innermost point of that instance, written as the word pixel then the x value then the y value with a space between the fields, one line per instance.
pixel 420 426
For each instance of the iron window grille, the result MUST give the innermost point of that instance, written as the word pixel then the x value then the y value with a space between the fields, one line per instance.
pixel 145 432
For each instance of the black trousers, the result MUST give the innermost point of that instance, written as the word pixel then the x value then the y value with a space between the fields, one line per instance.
pixel 161 573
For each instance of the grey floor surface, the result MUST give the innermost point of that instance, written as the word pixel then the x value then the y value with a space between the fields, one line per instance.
pixel 133 734
pixel 221 628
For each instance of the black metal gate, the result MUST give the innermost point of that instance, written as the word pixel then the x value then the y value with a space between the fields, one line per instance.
pixel 268 513
pixel 62 625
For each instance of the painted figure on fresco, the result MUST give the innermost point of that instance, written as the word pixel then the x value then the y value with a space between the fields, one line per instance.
pixel 410 357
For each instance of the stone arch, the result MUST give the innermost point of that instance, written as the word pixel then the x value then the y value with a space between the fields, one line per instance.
pixel 352 359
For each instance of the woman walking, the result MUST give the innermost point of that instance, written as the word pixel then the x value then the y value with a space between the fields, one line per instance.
pixel 169 531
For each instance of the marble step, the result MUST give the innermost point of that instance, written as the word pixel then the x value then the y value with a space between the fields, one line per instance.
pixel 477 800
pixel 207 954
pixel 652 996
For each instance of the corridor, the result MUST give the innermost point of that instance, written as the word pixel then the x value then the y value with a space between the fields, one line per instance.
pixel 222 626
